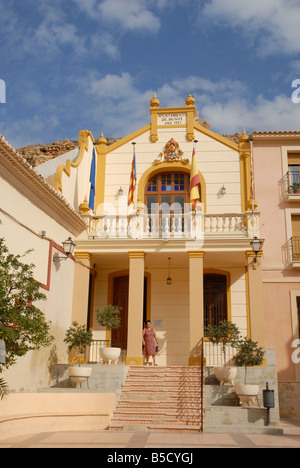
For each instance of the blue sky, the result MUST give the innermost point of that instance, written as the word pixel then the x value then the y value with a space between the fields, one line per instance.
pixel 70 65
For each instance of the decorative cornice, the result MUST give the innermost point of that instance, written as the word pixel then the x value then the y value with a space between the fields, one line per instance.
pixel 26 180
pixel 83 146
pixel 285 135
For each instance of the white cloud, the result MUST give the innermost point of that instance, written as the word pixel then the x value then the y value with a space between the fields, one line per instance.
pixel 118 102
pixel 273 23
pixel 130 15
pixel 278 114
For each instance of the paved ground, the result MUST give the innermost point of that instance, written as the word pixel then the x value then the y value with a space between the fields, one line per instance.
pixel 131 440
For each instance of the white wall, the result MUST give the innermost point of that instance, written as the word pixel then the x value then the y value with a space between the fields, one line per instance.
pixel 21 234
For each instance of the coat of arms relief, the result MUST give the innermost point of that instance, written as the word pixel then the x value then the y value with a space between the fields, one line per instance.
pixel 171 153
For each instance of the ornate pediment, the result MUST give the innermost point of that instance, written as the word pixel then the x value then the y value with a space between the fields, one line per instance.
pixel 171 153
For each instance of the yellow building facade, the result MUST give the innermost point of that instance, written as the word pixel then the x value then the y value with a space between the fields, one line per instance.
pixel 130 252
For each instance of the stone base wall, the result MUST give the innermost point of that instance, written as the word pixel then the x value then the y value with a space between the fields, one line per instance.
pixel 289 399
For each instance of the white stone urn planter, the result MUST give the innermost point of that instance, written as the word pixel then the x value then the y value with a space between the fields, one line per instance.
pixel 247 393
pixel 79 374
pixel 110 355
pixel 226 374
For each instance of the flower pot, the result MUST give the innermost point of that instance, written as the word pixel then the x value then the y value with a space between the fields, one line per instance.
pixel 79 374
pixel 247 393
pixel 110 355
pixel 226 374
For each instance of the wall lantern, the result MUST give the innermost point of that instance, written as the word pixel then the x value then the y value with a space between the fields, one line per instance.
pixel 169 279
pixel 68 246
pixel 120 192
pixel 223 190
pixel 256 245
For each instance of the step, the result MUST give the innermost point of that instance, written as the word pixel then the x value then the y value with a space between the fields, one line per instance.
pixel 157 405
pixel 117 422
pixel 158 392
pixel 166 376
pixel 150 417
pixel 162 415
pixel 161 388
pixel 176 428
pixel 162 399
pixel 161 411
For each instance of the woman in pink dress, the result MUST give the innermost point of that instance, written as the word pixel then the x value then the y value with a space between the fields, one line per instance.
pixel 149 336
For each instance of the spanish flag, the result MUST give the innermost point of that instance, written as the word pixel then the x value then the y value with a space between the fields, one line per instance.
pixel 195 182
pixel 132 183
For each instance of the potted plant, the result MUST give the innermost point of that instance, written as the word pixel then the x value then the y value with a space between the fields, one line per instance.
pixel 249 355
pixel 79 337
pixel 224 334
pixel 295 188
pixel 109 318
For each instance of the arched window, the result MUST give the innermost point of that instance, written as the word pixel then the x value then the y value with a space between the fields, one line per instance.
pixel 166 195
pixel 169 189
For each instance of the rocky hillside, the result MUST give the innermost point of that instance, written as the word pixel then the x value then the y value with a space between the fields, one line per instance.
pixel 38 154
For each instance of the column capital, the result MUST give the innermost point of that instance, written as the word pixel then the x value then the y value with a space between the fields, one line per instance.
pixel 196 254
pixel 251 254
pixel 137 254
pixel 83 256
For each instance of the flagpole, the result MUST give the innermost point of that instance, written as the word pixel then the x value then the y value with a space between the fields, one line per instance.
pixel 134 155
pixel 194 154
pixel 252 182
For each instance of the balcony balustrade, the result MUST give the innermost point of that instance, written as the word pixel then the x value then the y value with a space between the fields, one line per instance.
pixel 291 186
pixel 293 247
pixel 189 226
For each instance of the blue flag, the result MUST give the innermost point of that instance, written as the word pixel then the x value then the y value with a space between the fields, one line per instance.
pixel 93 182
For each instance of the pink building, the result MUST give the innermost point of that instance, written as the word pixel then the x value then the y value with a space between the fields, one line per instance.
pixel 276 159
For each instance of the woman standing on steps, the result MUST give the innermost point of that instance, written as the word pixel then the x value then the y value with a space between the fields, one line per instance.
pixel 149 336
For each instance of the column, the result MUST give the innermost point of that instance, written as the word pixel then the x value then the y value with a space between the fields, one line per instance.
pixel 196 306
pixel 135 308
pixel 256 322
pixel 81 287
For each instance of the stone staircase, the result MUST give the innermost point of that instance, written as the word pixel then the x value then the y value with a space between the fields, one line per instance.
pixel 160 399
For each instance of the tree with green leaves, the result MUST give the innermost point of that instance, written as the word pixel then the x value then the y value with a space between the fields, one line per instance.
pixel 78 336
pixel 109 317
pixel 23 326
pixel 250 354
pixel 225 333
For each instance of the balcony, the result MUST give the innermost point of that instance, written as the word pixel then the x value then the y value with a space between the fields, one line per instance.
pixel 189 226
pixel 291 186
pixel 293 249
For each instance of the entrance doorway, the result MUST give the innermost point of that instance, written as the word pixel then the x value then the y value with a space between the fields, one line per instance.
pixel 215 299
pixel 120 298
